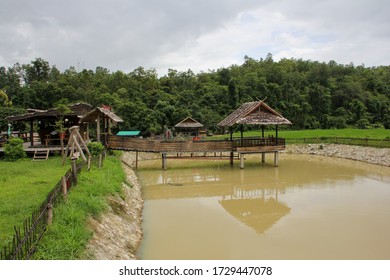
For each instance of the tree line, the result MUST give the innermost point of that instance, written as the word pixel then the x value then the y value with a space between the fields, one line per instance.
pixel 310 94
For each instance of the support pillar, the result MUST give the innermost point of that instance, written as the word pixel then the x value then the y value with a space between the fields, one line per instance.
pixel 242 161
pixel 263 157
pixel 276 159
pixel 164 161
pixel 231 158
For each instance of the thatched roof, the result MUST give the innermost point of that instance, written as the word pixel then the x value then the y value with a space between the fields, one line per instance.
pixel 254 113
pixel 92 116
pixel 189 123
pixel 77 109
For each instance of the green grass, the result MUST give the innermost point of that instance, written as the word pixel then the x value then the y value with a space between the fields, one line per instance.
pixel 24 185
pixel 291 134
pixel 68 236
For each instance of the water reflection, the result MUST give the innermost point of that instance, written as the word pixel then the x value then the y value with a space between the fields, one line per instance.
pixel 308 207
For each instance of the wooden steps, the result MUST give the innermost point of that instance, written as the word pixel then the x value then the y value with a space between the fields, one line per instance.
pixel 41 155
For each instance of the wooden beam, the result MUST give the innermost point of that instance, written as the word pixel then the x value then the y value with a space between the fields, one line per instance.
pixel 32 132
pixel 98 128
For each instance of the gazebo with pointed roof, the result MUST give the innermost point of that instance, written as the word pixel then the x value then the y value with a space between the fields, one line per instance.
pixel 254 113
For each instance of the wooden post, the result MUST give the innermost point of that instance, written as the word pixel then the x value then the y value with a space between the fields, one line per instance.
pixel 136 160
pixel 164 161
pixel 89 163
pixel 32 133
pixel 100 160
pixel 231 158
pixel 276 134
pixel 49 214
pixel 242 135
pixel 74 170
pixel 262 157
pixel 242 161
pixel 276 160
pixel 64 188
pixel 98 128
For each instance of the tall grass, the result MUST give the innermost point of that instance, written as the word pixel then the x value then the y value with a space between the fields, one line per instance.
pixel 68 236
pixel 24 185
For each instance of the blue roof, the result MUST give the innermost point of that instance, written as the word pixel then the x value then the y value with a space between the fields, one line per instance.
pixel 128 133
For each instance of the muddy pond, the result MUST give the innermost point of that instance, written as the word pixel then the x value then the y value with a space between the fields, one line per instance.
pixel 310 207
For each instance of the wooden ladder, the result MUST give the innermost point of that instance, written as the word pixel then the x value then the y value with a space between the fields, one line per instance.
pixel 41 155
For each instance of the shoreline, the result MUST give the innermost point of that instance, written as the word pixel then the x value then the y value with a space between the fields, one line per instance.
pixel 124 217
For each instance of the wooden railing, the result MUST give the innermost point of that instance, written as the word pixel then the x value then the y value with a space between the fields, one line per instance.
pixel 145 145
pixel 258 141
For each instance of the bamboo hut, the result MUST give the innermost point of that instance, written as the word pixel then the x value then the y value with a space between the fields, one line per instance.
pixel 104 119
pixel 190 127
pixel 254 113
pixel 45 120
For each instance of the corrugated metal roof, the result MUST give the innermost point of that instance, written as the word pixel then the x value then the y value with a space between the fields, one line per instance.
pixel 128 133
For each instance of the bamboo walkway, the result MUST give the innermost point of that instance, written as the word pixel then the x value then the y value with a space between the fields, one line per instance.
pixel 236 148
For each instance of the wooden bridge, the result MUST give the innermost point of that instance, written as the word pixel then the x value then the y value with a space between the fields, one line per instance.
pixel 239 146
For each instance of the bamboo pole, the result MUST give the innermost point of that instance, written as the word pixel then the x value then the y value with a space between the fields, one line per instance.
pixel 49 214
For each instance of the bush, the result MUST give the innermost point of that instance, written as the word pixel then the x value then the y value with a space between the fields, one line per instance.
pixel 362 123
pixel 95 148
pixel 13 150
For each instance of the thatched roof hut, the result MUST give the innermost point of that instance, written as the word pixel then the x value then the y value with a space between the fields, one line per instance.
pixel 254 113
pixel 189 126
pixel 189 123
pixel 101 115
pixel 47 118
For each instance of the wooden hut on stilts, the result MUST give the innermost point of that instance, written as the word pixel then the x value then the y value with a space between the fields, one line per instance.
pixel 255 113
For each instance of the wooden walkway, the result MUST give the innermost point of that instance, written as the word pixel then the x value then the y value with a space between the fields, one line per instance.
pixel 240 147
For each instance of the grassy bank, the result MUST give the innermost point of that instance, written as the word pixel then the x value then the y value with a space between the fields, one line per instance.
pixel 24 185
pixel 67 237
pixel 293 134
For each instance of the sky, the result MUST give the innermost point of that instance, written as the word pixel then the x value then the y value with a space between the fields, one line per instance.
pixel 200 35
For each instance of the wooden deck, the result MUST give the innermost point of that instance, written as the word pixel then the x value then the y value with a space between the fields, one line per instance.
pixel 256 145
pixel 240 147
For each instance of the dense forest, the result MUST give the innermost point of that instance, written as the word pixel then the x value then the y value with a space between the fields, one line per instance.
pixel 309 93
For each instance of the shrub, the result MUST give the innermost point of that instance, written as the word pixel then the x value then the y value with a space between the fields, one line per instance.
pixel 13 150
pixel 95 148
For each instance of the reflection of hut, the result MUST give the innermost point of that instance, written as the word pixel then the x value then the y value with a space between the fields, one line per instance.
pixel 189 126
pixel 46 120
pixel 257 213
pixel 254 113
pixel 104 119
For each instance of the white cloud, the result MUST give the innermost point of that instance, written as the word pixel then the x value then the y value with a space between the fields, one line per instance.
pixel 192 34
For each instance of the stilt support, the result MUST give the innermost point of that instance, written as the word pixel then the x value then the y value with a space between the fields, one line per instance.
pixel 263 157
pixel 231 158
pixel 276 159
pixel 242 161
pixel 164 161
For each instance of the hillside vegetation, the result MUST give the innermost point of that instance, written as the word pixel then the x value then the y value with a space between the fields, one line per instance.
pixel 311 94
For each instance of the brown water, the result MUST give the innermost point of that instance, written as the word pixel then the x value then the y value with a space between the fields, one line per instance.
pixel 307 208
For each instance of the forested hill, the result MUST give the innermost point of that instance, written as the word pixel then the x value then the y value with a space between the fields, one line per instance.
pixel 311 94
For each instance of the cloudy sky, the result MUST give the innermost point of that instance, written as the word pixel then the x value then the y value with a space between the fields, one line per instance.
pixel 192 34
